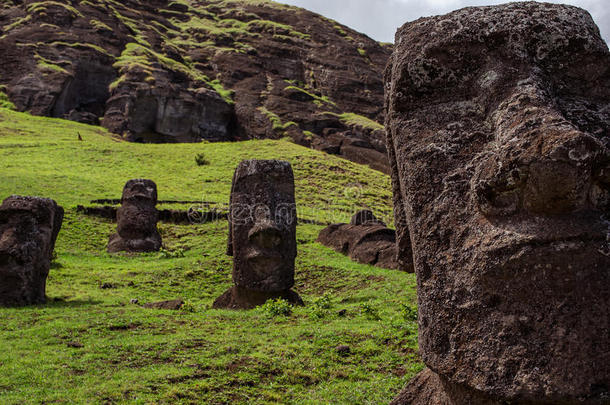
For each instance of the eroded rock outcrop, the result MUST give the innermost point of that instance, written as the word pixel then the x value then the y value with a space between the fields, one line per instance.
pixel 262 235
pixel 137 219
pixel 166 71
pixel 498 125
pixel 161 114
pixel 366 240
pixel 28 230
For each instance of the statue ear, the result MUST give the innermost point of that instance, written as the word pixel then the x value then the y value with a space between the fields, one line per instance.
pixel 230 242
pixel 230 217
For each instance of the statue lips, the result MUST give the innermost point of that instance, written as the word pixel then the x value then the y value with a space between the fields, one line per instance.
pixel 584 231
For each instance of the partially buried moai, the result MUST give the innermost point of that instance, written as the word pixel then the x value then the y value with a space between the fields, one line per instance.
pixel 137 219
pixel 367 240
pixel 28 230
pixel 498 126
pixel 262 235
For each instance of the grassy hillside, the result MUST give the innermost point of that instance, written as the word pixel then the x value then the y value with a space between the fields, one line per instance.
pixel 90 344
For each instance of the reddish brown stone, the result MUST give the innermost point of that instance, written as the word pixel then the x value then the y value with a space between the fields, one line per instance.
pixel 137 219
pixel 262 233
pixel 498 134
pixel 28 229
pixel 366 240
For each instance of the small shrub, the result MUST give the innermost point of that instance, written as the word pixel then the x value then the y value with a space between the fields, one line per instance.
pixel 409 313
pixel 54 263
pixel 277 307
pixel 201 160
pixel 4 100
pixel 320 306
pixel 170 254
pixel 188 307
pixel 369 311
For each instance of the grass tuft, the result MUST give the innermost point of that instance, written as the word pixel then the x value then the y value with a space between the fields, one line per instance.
pixel 357 120
pixel 4 100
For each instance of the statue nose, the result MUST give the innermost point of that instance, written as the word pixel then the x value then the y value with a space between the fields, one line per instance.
pixel 555 188
pixel 563 180
pixel 570 171
pixel 266 235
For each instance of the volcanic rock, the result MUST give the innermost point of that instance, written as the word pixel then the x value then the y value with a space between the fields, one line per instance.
pixel 365 217
pixel 262 234
pixel 173 305
pixel 366 240
pixel 498 124
pixel 137 219
pixel 28 229
pixel 163 71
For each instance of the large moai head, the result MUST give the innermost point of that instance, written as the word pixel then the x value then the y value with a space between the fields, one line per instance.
pixel 28 229
pixel 137 219
pixel 498 125
pixel 262 228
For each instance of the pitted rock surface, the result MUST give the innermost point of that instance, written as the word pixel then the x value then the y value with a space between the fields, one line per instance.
pixel 498 125
pixel 262 234
pixel 28 230
pixel 137 219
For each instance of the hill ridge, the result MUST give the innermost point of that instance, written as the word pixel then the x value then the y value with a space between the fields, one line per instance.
pixel 178 71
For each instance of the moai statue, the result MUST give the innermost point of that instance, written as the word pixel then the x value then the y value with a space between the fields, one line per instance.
pixel 498 127
pixel 365 217
pixel 28 229
pixel 262 234
pixel 137 219
pixel 366 240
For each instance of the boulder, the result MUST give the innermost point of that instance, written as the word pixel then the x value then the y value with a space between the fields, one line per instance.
pixel 137 219
pixel 498 127
pixel 28 229
pixel 262 234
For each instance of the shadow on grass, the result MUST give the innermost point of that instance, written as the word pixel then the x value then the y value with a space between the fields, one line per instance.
pixel 61 303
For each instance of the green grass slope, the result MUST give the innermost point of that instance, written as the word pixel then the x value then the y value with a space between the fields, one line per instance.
pixel 90 345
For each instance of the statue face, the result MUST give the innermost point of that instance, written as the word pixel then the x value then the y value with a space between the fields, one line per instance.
pixel 137 217
pixel 28 229
pixel 499 135
pixel 262 236
pixel 140 190
pixel 21 223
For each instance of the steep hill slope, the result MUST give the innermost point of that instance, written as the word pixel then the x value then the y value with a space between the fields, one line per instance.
pixel 186 71
pixel 89 344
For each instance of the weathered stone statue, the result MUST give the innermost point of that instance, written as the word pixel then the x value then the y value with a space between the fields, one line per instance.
pixel 365 217
pixel 137 219
pixel 498 126
pixel 262 234
pixel 366 240
pixel 28 229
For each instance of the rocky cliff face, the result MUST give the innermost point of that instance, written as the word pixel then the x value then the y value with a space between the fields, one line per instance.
pixel 186 71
